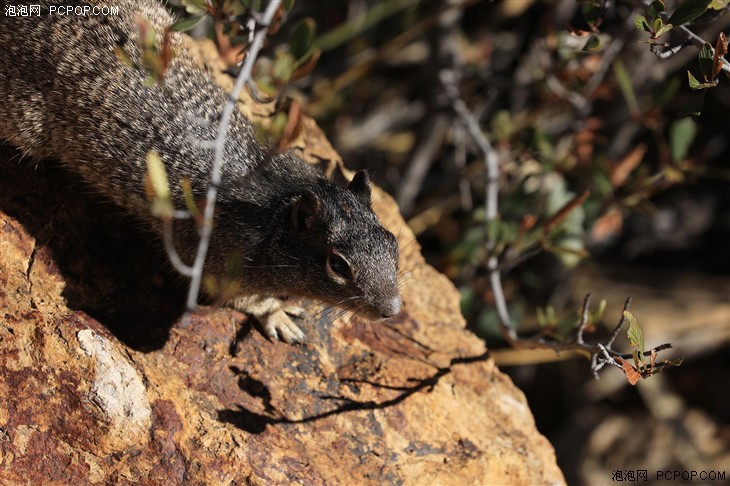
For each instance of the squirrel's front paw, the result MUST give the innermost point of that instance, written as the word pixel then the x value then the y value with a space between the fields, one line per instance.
pixel 273 315
pixel 278 325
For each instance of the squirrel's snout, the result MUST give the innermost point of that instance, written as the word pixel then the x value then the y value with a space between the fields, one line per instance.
pixel 391 307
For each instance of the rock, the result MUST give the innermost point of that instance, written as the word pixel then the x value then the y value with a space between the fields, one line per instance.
pixel 99 382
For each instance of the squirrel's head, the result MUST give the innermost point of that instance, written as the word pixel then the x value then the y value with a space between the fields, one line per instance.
pixel 351 261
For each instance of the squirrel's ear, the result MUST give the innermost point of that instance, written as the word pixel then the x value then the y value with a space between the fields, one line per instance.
pixel 360 187
pixel 304 212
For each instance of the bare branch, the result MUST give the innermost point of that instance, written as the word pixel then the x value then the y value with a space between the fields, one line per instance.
pixel 620 324
pixel 672 51
pixel 172 254
pixel 430 141
pixel 583 320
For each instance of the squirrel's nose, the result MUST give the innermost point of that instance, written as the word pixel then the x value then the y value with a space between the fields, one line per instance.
pixel 391 307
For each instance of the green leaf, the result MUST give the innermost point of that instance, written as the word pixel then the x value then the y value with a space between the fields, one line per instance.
pixel 158 186
pixel 656 8
pixel 693 83
pixel 278 124
pixel 124 57
pixel 303 66
pixel 637 360
pixel 688 10
pixel 502 125
pixel 195 6
pixel 551 316
pixel 254 5
pixel 624 83
pixel 666 28
pixel 541 320
pixel 570 251
pixel 546 317
pixel 591 10
pixel 158 175
pixel 288 4
pixel 187 190
pixel 658 24
pixel 283 67
pixel 593 44
pixel 210 285
pixel 361 23
pixel 494 230
pixel 705 58
pixel 302 40
pixel 184 25
pixel 635 335
pixel 598 315
pixel 681 135
pixel 641 23
pixel 719 4
pixel 668 92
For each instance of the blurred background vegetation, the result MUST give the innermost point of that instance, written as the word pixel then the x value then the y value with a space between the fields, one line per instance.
pixel 575 102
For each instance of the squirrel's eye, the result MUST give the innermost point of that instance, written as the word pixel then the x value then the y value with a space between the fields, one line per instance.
pixel 338 267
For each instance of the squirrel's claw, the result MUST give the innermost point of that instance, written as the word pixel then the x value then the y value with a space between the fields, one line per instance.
pixel 272 314
pixel 278 325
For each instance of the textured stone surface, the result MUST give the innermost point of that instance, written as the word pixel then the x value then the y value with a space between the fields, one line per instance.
pixel 100 383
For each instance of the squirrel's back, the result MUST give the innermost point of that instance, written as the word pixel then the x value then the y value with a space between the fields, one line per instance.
pixel 65 94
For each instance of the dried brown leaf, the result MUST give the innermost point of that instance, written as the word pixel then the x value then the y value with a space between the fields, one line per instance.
pixel 230 54
pixel 620 172
pixel 607 225
pixel 720 51
pixel 293 125
pixel 565 211
pixel 632 374
pixel 306 68
pixel 167 52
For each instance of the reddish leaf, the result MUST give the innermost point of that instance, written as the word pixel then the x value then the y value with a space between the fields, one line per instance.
pixel 575 30
pixel 720 51
pixel 607 225
pixel 293 125
pixel 230 54
pixel 167 53
pixel 305 68
pixel 632 374
pixel 620 172
pixel 565 211
pixel 527 223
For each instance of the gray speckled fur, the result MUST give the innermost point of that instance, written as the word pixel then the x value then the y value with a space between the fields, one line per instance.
pixel 65 95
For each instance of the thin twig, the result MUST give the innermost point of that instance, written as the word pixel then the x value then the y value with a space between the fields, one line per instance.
pixel 670 52
pixel 460 164
pixel 429 143
pixel 512 261
pixel 583 320
pixel 215 177
pixel 491 208
pixel 620 324
pixel 491 205
pixel 609 54
pixel 172 253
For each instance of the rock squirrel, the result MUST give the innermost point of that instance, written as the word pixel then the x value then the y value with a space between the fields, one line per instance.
pixel 64 94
